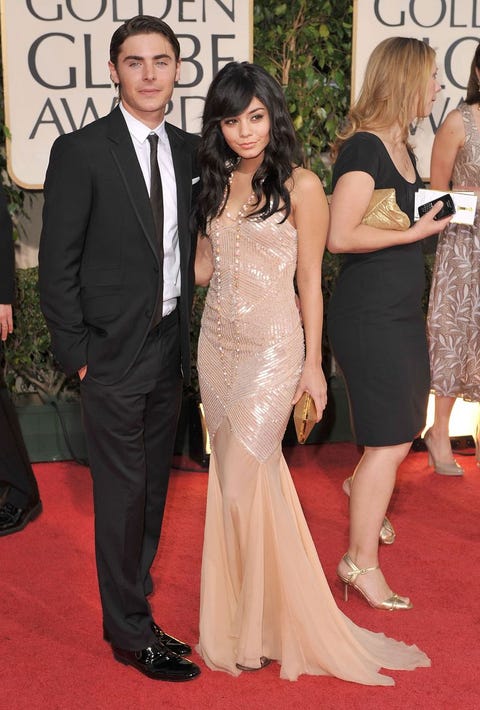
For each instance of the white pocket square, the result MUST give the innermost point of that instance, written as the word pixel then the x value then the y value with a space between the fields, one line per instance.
pixel 195 180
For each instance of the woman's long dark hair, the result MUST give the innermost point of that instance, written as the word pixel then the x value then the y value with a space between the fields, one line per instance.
pixel 230 93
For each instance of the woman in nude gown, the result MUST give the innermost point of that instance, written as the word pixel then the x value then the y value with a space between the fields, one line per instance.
pixel 264 219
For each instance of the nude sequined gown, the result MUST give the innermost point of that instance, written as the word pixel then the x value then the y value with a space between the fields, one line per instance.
pixel 263 590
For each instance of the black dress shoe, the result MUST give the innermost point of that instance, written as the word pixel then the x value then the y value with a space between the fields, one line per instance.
pixel 13 519
pixel 157 662
pixel 172 644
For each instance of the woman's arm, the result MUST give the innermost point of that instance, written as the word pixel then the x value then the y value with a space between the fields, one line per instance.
pixel 449 138
pixel 310 216
pixel 348 206
pixel 203 261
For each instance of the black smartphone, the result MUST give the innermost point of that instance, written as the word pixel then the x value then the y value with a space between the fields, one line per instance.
pixel 447 209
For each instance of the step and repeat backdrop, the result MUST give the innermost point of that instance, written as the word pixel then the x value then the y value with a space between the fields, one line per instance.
pixel 56 78
pixel 451 27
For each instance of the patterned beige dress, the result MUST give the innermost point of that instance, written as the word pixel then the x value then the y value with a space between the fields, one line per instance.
pixel 263 590
pixel 454 309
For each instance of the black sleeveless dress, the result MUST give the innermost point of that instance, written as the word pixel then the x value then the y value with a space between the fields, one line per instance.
pixel 376 323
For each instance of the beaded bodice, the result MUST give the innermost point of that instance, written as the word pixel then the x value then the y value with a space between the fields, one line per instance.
pixel 251 332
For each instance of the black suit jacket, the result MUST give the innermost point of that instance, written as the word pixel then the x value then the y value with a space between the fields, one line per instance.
pixel 99 270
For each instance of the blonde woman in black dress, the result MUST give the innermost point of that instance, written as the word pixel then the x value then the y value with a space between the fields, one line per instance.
pixel 376 322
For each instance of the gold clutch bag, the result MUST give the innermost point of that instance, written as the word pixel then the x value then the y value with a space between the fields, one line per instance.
pixel 384 213
pixel 304 417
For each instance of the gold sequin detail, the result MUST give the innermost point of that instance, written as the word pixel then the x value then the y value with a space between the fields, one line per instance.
pixel 251 344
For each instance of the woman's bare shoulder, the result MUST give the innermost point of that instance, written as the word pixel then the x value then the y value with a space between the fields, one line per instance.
pixel 304 180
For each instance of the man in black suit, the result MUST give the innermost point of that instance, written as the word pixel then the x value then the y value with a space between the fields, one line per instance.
pixel 19 498
pixel 116 285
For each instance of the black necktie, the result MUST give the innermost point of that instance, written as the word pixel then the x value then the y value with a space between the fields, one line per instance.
pixel 156 201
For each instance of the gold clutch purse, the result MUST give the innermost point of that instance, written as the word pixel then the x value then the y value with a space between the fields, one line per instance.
pixel 384 213
pixel 304 417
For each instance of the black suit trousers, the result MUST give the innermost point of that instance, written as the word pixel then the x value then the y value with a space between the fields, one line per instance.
pixel 130 429
pixel 15 468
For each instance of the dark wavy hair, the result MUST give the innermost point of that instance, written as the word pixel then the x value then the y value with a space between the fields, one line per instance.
pixel 230 93
pixel 473 86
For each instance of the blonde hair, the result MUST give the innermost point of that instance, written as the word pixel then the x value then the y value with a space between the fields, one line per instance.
pixel 394 88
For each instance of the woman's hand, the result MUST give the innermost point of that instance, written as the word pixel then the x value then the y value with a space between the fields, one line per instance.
pixel 428 225
pixel 6 320
pixel 313 381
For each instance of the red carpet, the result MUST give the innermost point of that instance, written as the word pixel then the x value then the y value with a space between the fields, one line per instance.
pixel 51 651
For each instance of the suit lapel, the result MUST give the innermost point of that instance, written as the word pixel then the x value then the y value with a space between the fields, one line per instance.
pixel 183 177
pixel 125 158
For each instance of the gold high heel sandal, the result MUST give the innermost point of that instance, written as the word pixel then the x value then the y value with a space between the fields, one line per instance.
pixel 446 469
pixel 387 534
pixel 393 603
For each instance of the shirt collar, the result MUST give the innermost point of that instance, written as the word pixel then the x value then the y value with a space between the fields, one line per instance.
pixel 139 130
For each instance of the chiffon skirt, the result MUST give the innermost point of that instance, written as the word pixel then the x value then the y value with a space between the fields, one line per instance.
pixel 263 590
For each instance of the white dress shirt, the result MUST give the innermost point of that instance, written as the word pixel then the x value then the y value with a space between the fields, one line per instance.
pixel 139 133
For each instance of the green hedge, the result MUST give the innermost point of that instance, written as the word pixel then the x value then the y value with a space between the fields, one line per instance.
pixel 306 45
